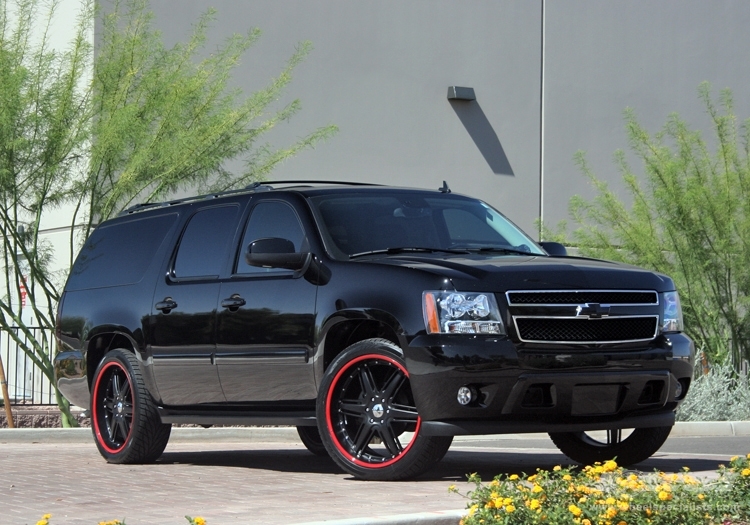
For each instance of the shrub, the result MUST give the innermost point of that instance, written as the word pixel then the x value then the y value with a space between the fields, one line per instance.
pixel 719 395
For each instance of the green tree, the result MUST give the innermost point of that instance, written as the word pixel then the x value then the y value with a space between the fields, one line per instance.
pixel 95 133
pixel 689 218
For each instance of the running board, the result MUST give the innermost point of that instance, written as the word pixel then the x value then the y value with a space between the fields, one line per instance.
pixel 251 418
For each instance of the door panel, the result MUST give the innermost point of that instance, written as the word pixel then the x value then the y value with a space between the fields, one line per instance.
pixel 266 318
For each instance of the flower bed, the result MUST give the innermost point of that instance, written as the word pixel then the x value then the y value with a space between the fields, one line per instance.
pixel 607 494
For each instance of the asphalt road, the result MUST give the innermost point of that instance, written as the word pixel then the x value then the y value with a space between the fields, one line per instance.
pixel 234 480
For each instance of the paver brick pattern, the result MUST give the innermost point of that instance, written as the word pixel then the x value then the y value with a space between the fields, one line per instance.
pixel 231 483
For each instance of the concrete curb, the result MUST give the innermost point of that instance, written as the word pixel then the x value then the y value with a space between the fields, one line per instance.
pixel 443 517
pixel 289 434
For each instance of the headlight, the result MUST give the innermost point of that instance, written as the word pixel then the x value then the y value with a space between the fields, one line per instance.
pixel 671 320
pixel 461 313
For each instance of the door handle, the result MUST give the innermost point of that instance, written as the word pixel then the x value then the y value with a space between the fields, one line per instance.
pixel 233 303
pixel 167 305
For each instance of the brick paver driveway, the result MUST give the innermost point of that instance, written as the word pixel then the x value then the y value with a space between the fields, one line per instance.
pixel 241 483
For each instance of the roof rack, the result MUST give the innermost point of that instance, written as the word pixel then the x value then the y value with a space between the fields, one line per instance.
pixel 252 188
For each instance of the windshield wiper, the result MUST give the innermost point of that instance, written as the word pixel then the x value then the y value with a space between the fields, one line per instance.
pixel 394 251
pixel 501 249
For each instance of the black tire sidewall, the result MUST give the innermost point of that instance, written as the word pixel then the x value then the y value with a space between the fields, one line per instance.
pixel 641 444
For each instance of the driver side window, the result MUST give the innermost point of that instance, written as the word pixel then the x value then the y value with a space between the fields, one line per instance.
pixel 270 219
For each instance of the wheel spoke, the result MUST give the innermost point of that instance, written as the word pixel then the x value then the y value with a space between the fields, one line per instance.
pixel 127 409
pixel 403 413
pixel 352 408
pixel 125 392
pixel 367 381
pixel 393 384
pixel 614 436
pixel 121 429
pixel 390 440
pixel 115 385
pixel 362 439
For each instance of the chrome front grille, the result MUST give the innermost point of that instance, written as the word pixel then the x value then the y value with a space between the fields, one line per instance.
pixel 576 330
pixel 584 316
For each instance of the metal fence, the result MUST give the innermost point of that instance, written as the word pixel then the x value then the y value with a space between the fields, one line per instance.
pixel 27 385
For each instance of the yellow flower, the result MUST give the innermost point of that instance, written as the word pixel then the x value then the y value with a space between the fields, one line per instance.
pixel 611 512
pixel 532 477
pixel 534 504
pixel 734 458
pixel 575 511
pixel 623 506
pixel 610 501
pixel 537 489
pixel 622 522
pixel 46 516
pixel 701 496
pixel 451 488
pixel 609 466
pixel 199 521
pixel 509 508
pixel 473 509
pixel 557 468
pixel 567 477
pixel 664 496
pixel 42 522
pixel 746 472
pixel 513 477
pixel 748 456
pixel 585 521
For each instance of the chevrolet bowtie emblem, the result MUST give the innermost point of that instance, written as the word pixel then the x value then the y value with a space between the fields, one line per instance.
pixel 592 310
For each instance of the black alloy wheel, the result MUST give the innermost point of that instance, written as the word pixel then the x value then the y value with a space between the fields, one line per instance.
pixel 124 420
pixel 637 446
pixel 368 418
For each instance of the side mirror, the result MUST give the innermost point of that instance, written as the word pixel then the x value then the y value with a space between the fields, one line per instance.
pixel 273 252
pixel 554 248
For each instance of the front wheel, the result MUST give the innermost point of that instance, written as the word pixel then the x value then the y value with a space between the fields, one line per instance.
pixel 588 448
pixel 367 416
pixel 126 426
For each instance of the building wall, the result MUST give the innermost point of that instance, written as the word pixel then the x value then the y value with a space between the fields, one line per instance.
pixel 380 70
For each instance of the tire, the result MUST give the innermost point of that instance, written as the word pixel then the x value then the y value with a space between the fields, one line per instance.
pixel 124 420
pixel 640 445
pixel 310 437
pixel 366 413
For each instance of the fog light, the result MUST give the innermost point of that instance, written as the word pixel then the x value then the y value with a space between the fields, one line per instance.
pixel 678 390
pixel 465 395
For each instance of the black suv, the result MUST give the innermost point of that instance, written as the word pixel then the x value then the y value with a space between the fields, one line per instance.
pixel 379 321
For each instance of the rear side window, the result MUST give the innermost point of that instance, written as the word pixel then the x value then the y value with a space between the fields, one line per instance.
pixel 119 254
pixel 203 247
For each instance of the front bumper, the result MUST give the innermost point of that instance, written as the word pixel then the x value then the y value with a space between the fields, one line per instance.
pixel 549 388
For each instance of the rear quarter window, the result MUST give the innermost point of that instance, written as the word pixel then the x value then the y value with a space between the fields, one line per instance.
pixel 118 254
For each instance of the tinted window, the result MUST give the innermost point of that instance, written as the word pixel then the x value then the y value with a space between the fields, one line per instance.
pixel 270 219
pixel 119 253
pixel 203 247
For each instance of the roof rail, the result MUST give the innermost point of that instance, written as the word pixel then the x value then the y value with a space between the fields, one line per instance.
pixel 312 182
pixel 254 187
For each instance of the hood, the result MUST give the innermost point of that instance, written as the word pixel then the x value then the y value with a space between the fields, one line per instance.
pixel 513 272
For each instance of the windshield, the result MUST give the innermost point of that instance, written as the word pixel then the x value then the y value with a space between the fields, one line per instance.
pixel 357 224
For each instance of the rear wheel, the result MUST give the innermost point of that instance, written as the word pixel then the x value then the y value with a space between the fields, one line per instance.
pixel 367 417
pixel 124 420
pixel 310 437
pixel 589 447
